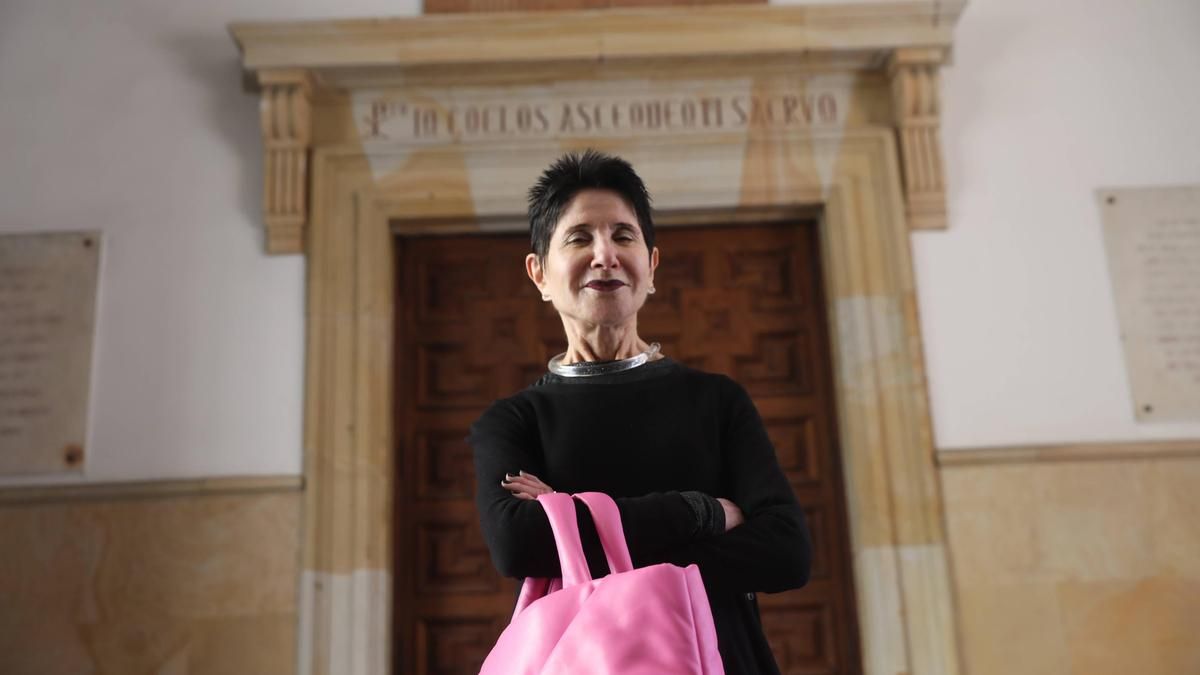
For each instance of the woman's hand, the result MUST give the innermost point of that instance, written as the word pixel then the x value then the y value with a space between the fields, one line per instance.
pixel 528 486
pixel 733 514
pixel 525 485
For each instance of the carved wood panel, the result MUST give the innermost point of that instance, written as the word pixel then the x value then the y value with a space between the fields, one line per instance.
pixel 745 300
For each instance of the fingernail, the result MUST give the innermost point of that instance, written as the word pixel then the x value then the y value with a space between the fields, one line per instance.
pixel 509 476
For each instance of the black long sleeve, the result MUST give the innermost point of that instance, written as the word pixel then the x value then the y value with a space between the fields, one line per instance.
pixel 772 550
pixel 644 442
pixel 648 437
pixel 517 531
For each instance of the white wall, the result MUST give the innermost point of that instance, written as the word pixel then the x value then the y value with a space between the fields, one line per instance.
pixel 1045 103
pixel 198 365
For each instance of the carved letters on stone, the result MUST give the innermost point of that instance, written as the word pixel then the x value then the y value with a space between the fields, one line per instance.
pixel 47 319
pixel 594 110
pixel 1152 235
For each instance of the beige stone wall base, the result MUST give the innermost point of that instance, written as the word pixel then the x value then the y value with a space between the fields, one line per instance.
pixel 150 582
pixel 1080 567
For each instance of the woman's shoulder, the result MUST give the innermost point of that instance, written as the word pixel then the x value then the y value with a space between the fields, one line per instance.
pixel 706 390
pixel 666 373
pixel 509 413
pixel 703 378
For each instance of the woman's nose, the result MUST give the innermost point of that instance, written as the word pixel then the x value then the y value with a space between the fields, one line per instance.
pixel 604 254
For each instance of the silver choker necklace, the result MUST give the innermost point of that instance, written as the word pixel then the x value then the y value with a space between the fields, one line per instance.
pixel 592 368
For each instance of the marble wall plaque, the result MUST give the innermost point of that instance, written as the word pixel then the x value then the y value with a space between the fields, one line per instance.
pixel 47 319
pixel 1153 241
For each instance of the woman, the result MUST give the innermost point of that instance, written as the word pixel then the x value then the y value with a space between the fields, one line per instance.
pixel 683 452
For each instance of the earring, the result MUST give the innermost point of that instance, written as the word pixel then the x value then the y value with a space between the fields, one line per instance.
pixel 545 297
pixel 651 291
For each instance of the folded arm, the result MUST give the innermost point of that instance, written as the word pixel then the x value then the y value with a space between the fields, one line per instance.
pixel 517 531
pixel 772 550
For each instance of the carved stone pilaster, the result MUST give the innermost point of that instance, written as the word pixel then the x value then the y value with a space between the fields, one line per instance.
pixel 287 131
pixel 917 106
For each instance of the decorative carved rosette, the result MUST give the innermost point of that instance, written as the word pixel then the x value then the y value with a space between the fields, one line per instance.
pixel 286 127
pixel 917 107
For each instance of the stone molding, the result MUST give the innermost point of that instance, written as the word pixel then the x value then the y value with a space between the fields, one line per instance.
pixel 286 119
pixel 897 539
pixel 183 487
pixel 916 104
pixel 467 6
pixel 949 458
pixel 908 40
pixel 325 47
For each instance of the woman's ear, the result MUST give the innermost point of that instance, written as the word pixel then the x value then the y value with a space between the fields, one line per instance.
pixel 533 268
pixel 653 263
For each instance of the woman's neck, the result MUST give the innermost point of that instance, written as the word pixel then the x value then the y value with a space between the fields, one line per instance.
pixel 601 343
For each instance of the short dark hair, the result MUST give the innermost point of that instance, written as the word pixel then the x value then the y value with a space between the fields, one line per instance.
pixel 572 173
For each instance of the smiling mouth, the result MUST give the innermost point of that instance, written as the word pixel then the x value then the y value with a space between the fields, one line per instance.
pixel 607 285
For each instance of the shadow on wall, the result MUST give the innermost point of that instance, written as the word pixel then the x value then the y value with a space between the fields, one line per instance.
pixel 212 62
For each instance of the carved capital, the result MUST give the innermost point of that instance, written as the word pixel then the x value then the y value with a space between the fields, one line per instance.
pixel 917 107
pixel 287 131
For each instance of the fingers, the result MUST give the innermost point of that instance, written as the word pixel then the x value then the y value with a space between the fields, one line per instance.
pixel 524 476
pixel 527 489
pixel 526 492
pixel 524 485
pixel 524 479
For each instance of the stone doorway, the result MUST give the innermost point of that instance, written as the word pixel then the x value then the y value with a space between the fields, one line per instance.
pixel 833 109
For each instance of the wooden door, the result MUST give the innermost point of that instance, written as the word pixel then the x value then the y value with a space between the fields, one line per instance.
pixel 743 300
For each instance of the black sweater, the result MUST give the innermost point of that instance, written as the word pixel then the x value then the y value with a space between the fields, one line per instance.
pixel 644 436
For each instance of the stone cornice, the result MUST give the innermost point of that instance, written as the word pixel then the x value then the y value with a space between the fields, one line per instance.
pixel 906 41
pixel 873 29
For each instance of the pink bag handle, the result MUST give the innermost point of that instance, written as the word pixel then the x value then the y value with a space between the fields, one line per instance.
pixel 608 525
pixel 607 518
pixel 560 509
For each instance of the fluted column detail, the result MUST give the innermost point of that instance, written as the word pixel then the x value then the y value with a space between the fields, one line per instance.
pixel 916 103
pixel 287 134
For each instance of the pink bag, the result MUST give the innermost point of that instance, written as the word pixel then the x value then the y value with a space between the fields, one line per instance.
pixel 649 621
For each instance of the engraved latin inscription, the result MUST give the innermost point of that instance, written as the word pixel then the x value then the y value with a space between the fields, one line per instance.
pixel 1153 238
pixel 619 109
pixel 1169 252
pixel 47 299
pixel 25 323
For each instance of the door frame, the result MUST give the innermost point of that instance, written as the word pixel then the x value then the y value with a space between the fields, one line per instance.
pixel 898 541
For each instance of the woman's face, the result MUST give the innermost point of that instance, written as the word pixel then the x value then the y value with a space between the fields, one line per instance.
pixel 597 269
